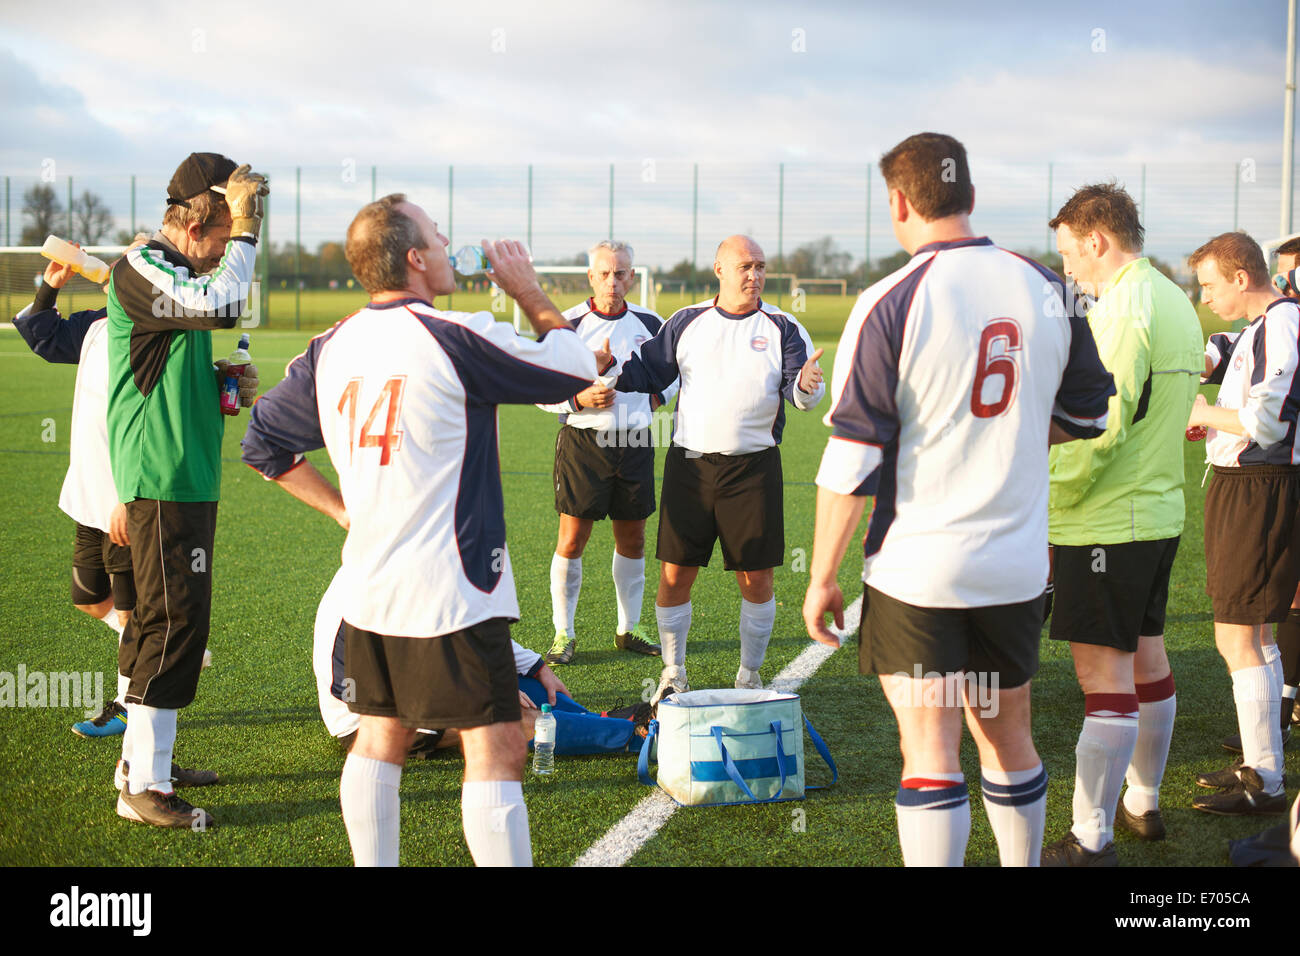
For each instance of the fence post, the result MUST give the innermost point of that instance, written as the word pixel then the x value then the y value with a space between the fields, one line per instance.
pixel 1050 215
pixel 8 306
pixel 695 226
pixel 133 205
pixel 374 178
pixel 451 183
pixel 264 266
pixel 611 202
pixel 1142 207
pixel 866 261
pixel 297 248
pixel 530 208
pixel 1236 193
pixel 71 237
pixel 780 224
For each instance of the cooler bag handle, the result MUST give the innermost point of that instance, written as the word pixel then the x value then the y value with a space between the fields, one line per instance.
pixel 823 752
pixel 729 765
pixel 643 761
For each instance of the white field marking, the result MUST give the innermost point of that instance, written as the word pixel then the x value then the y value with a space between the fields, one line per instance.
pixel 621 842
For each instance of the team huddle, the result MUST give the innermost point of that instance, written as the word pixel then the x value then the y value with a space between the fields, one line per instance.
pixel 1024 456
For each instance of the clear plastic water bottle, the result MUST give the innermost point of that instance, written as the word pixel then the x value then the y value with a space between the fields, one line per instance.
pixel 544 742
pixel 469 261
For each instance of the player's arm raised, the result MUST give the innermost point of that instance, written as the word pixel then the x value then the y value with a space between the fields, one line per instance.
pixel 513 272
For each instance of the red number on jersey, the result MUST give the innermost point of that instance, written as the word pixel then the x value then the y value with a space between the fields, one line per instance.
pixel 390 439
pixel 998 345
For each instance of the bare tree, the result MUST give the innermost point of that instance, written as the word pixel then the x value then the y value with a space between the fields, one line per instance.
pixel 92 219
pixel 41 205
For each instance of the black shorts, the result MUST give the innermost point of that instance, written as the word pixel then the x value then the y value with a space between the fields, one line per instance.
pixel 734 498
pixel 462 679
pixel 1110 594
pixel 101 568
pixel 899 638
pixel 605 474
pixel 1252 543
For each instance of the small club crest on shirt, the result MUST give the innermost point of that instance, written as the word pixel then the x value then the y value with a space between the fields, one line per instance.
pixel 1238 362
pixel 758 343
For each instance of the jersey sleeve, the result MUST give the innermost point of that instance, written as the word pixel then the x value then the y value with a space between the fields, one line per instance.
pixel 285 422
pixel 1271 405
pixel 653 367
pixel 864 410
pixel 1083 398
pixel 159 295
pixel 50 336
pixel 796 346
pixel 498 366
pixel 1217 349
pixel 1076 465
pixel 527 662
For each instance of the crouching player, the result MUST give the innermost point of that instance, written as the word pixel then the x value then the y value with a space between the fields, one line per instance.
pixel 1252 537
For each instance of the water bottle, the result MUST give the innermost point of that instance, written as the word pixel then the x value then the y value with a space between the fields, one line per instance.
pixel 469 261
pixel 239 360
pixel 65 253
pixel 544 742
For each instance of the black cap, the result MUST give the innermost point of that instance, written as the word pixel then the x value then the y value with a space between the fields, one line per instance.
pixel 199 172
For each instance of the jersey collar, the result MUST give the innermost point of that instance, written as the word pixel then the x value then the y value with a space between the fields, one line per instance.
pixel 735 315
pixel 591 304
pixel 954 244
pixel 399 303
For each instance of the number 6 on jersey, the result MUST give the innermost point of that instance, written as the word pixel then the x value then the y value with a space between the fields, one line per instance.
pixel 390 440
pixel 999 344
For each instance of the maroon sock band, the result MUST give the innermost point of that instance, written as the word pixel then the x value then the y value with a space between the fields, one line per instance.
pixel 1161 689
pixel 1117 703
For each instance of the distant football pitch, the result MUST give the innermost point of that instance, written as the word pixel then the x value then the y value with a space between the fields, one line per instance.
pixel 255 720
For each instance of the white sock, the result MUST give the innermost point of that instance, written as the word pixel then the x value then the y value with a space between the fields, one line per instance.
pixel 756 622
pixel 566 583
pixel 1016 804
pixel 112 621
pixel 1151 752
pixel 128 737
pixel 629 589
pixel 1273 661
pixel 496 822
pixel 933 821
pixel 153 737
pixel 123 682
pixel 372 809
pixel 1103 753
pixel 1259 723
pixel 674 624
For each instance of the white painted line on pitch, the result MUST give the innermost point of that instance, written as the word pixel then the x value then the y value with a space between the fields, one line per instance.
pixel 621 842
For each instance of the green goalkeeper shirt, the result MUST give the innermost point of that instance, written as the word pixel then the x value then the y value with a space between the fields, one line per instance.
pixel 164 415
pixel 1127 484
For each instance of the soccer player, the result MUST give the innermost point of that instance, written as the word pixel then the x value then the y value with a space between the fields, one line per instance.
pixel 578 730
pixel 102 582
pixel 739 360
pixel 165 428
pixel 952 376
pixel 605 458
pixel 1116 515
pixel 404 397
pixel 1252 538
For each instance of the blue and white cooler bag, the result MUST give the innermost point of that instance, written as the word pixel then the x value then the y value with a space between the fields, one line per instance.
pixel 730 746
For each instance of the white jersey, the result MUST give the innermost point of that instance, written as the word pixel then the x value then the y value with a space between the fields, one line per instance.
pixel 404 397
pixel 88 495
pixel 948 376
pixel 327 662
pixel 734 370
pixel 627 331
pixel 1256 371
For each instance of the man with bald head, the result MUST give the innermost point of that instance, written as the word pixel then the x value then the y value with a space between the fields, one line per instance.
pixel 737 358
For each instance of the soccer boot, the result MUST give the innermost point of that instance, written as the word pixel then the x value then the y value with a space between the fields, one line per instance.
pixel 747 679
pixel 671 681
pixel 162 810
pixel 180 776
pixel 1233 744
pixel 562 649
pixel 1068 851
pixel 1218 779
pixel 110 722
pixel 637 713
pixel 1246 796
pixel 1144 826
pixel 637 641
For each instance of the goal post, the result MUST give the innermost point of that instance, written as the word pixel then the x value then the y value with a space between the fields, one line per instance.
pixel 644 275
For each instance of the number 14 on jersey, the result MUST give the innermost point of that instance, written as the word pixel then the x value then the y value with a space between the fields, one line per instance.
pixel 389 401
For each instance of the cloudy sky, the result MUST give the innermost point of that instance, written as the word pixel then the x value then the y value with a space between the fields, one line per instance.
pixel 509 83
